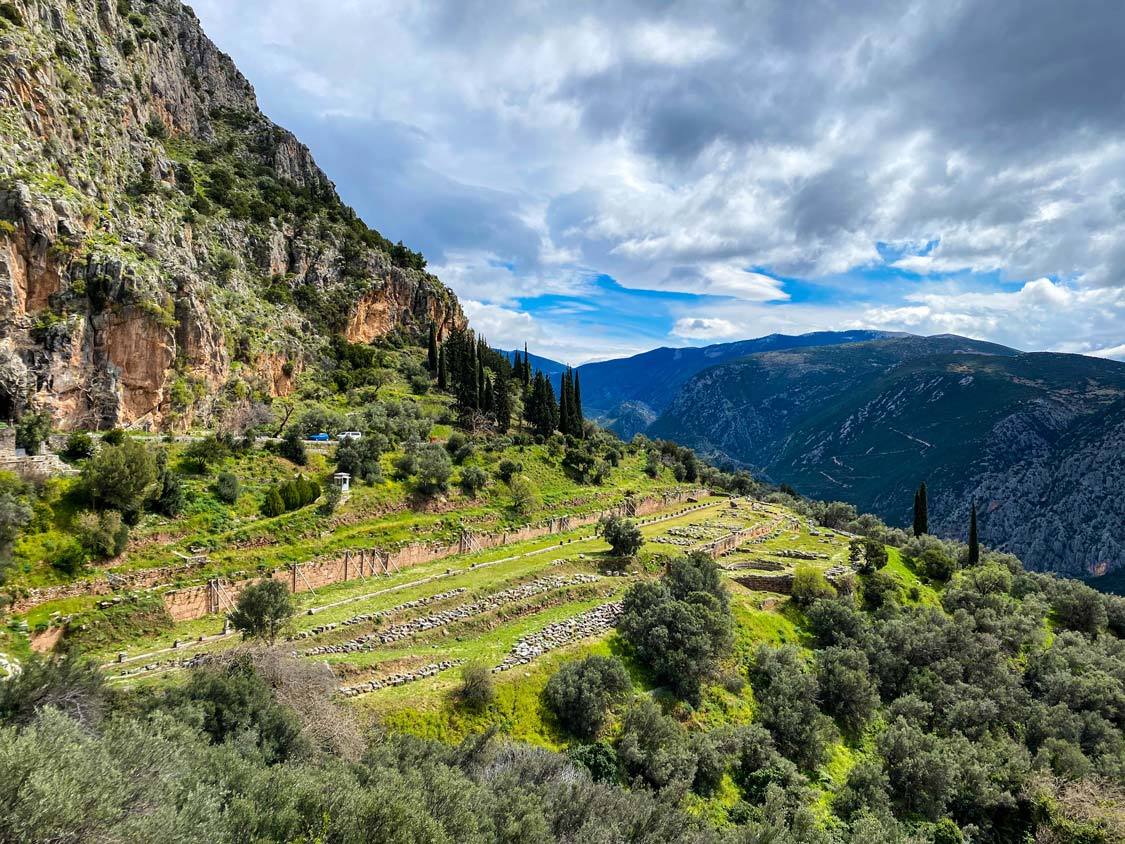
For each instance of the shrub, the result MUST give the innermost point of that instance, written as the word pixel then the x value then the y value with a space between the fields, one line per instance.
pixel 599 759
pixel 654 748
pixel 786 693
pixel 525 496
pixel 508 469
pixel 114 436
pixel 101 535
pixel 473 479
pixel 207 452
pixel 68 683
pixel 262 609
pixel 292 447
pixel 332 496
pixel 228 487
pixel 582 692
pixel 10 13
pixel 477 690
pixel 810 584
pixel 32 430
pixel 65 554
pixel 79 446
pixel 273 504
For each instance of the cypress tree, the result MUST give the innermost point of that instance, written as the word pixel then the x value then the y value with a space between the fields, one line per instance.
pixel 579 416
pixel 488 400
pixel 432 352
pixel 564 403
pixel 442 370
pixel 481 382
pixel 974 540
pixel 526 375
pixel 921 515
pixel 503 403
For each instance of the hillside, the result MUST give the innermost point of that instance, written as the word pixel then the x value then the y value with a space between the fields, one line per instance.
pixel 1033 438
pixel 162 243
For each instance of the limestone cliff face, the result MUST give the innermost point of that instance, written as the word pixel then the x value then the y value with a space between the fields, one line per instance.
pixel 162 241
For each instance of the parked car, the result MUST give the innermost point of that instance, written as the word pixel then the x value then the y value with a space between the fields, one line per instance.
pixel 319 438
pixel 354 436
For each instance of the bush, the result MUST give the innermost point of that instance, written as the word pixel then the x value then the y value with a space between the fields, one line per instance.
pixel 67 683
pixel 228 487
pixel 32 430
pixel 508 469
pixel 582 692
pixel 810 584
pixel 477 691
pixel 79 446
pixel 292 447
pixel 473 479
pixel 207 452
pixel 525 496
pixel 262 610
pixel 654 748
pixel 332 496
pixel 623 535
pixel 114 436
pixel 272 504
pixel 599 759
pixel 102 536
pixel 786 694
pixel 170 497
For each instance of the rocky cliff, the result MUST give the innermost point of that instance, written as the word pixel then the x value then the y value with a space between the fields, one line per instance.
pixel 162 243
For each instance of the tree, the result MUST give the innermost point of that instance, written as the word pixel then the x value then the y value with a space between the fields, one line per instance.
pixel 32 430
pixel 292 447
pixel 442 370
pixel 262 610
pixel 228 487
pixel 680 626
pixel 433 467
pixel 477 691
pixel 502 402
pixel 207 452
pixel 582 692
pixel 68 683
pixel 974 540
pixel 273 504
pixel 118 477
pixel 847 690
pixel 921 511
pixel 432 349
pixel 623 535
pixel 785 692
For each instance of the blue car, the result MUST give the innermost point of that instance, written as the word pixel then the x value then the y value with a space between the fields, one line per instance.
pixel 320 438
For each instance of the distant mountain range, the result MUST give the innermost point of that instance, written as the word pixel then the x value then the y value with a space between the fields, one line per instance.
pixel 1037 439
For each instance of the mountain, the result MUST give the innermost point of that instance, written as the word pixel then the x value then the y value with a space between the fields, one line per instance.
pixel 1038 440
pixel 549 367
pixel 162 243
pixel 654 378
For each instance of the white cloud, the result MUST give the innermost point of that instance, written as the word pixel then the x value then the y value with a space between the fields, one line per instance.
pixel 704 328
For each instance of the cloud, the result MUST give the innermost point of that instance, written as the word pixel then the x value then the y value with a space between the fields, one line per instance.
pixel 704 328
pixel 709 149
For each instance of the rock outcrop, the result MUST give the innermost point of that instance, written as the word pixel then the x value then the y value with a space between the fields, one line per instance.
pixel 161 240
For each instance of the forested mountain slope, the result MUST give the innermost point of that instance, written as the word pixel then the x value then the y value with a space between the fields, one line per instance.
pixel 1035 439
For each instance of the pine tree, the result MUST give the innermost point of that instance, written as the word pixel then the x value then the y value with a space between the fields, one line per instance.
pixel 432 356
pixel 526 374
pixel 974 540
pixel 921 515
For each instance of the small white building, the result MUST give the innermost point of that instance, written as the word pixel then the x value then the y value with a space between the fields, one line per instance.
pixel 342 480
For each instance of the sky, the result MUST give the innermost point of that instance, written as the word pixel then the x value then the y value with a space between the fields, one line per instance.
pixel 601 178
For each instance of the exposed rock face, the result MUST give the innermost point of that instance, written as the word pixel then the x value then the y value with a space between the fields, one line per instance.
pixel 160 239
